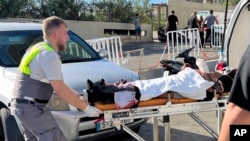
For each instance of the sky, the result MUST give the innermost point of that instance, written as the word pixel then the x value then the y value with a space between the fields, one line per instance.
pixel 158 1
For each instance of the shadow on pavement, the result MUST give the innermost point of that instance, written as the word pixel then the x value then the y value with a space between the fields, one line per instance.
pixel 149 47
pixel 146 133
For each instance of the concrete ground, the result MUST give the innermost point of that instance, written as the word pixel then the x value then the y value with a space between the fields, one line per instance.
pixel 153 52
pixel 183 127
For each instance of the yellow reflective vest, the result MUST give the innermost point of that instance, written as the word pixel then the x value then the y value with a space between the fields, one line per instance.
pixel 30 54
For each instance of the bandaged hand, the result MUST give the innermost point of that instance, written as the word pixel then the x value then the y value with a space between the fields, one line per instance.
pixel 92 111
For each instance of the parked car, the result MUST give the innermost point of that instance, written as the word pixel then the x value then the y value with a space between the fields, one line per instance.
pixel 79 63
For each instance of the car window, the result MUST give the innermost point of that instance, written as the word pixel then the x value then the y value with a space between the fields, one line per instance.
pixel 13 45
pixel 77 50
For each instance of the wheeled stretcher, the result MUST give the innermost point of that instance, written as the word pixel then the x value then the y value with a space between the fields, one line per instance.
pixel 160 108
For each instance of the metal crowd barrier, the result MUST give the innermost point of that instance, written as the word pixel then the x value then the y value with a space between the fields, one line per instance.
pixel 113 45
pixel 217 35
pixel 184 39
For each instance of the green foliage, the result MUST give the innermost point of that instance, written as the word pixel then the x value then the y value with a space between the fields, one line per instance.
pixel 66 9
pixel 232 2
pixel 14 8
pixel 91 10
pixel 121 10
pixel 85 10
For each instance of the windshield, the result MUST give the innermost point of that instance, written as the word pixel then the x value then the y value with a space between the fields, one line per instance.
pixel 13 45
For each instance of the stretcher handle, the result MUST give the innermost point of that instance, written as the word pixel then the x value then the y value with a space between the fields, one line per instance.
pixel 133 112
pixel 144 112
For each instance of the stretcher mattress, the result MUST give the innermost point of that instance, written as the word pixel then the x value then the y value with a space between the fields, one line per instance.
pixel 161 100
pixel 152 102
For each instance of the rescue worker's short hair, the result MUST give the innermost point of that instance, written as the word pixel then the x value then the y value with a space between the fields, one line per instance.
pixel 51 23
pixel 172 11
pixel 211 11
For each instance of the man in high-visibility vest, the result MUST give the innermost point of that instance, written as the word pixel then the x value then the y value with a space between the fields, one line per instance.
pixel 40 74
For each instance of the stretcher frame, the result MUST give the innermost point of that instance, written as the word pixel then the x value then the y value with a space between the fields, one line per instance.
pixel 161 114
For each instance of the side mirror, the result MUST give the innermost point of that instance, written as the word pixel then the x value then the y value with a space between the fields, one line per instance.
pixel 103 53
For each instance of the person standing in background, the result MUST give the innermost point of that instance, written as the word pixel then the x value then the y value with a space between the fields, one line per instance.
pixel 210 20
pixel 194 24
pixel 201 29
pixel 137 24
pixel 171 25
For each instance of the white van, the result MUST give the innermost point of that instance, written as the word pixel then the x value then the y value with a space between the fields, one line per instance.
pixel 237 34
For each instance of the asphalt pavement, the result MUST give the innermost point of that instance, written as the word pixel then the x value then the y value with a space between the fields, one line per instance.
pixel 153 53
pixel 182 126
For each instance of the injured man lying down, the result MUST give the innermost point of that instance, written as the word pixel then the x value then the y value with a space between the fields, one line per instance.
pixel 188 83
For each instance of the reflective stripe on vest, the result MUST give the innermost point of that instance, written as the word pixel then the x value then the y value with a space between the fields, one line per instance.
pixel 30 54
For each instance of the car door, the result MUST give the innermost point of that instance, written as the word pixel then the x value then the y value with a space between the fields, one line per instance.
pixel 237 34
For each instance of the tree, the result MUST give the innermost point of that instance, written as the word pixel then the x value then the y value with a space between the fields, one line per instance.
pixel 121 11
pixel 66 9
pixel 12 8
pixel 95 10
pixel 232 2
pixel 143 8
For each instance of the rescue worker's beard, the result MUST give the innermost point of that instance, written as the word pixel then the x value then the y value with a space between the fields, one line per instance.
pixel 61 46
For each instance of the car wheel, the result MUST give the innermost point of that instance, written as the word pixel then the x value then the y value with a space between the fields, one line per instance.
pixel 1 131
pixel 1 126
pixel 162 38
pixel 2 105
pixel 10 127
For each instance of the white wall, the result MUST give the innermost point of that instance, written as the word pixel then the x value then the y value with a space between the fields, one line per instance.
pixel 92 30
pixel 184 9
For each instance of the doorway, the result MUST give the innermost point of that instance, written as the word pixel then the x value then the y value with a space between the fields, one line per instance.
pixel 159 16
